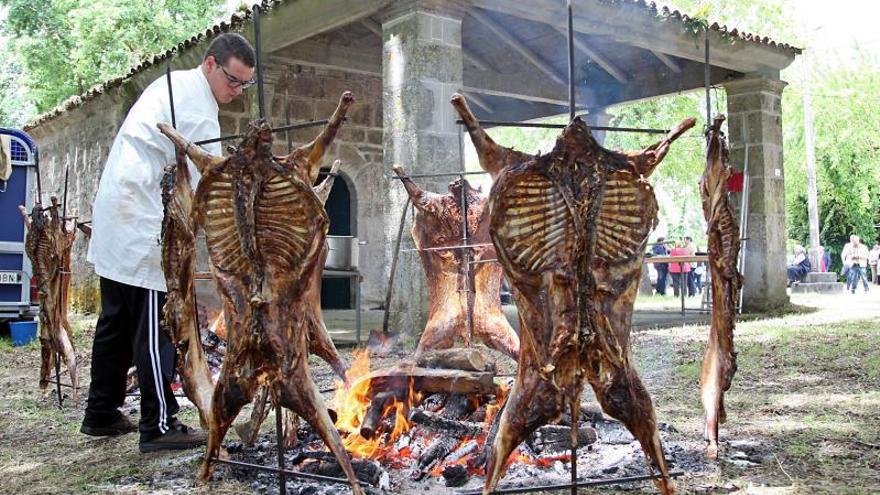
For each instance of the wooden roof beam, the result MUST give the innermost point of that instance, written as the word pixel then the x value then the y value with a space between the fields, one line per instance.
pixel 595 56
pixel 517 45
pixel 667 61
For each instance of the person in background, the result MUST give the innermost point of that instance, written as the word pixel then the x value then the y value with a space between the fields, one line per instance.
pixel 699 271
pixel 857 261
pixel 800 266
pixel 874 262
pixel 824 259
pixel 845 258
pixel 679 271
pixel 659 249
pixel 691 277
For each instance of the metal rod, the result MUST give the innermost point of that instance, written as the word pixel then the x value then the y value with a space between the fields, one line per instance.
pixel 298 125
pixel 394 258
pixel 477 262
pixel 541 125
pixel 580 484
pixel 708 69
pixel 293 474
pixel 58 379
pixel 59 383
pixel 682 283
pixel 39 201
pixel 442 174
pixel 261 103
pixel 64 196
pixel 357 309
pixel 170 92
pixel 279 433
pixel 571 97
pixel 287 121
pixel 744 223
pixel 447 248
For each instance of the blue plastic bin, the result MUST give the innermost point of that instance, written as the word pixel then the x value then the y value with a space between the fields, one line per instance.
pixel 23 332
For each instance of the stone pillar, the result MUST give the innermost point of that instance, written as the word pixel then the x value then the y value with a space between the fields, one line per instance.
pixel 598 117
pixel 755 124
pixel 422 69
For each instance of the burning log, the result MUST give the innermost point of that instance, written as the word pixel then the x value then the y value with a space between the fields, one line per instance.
pixel 455 359
pixel 448 427
pixel 556 438
pixel 364 470
pixel 455 475
pixel 373 417
pixel 434 454
pixel 457 407
pixel 430 380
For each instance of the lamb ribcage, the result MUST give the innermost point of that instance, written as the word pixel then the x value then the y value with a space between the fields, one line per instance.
pixel 278 215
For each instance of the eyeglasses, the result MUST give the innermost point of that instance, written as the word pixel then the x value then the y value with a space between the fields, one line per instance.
pixel 235 82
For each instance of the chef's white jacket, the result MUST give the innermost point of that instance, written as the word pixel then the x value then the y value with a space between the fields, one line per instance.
pixel 127 213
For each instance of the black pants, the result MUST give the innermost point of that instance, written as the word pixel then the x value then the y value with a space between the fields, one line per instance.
pixel 662 272
pixel 128 331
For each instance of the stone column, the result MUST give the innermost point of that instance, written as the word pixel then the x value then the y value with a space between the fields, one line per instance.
pixel 755 124
pixel 598 117
pixel 422 68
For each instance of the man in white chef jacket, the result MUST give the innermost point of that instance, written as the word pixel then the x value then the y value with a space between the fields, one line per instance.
pixel 125 249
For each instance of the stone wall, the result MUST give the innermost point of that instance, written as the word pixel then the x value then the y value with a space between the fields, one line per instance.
pixel 84 134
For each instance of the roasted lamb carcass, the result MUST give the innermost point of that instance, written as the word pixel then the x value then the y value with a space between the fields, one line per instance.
pixel 48 243
pixel 264 228
pixel 570 229
pixel 320 343
pixel 179 264
pixel 463 301
pixel 719 362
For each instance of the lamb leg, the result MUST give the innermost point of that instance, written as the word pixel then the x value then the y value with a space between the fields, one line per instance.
pixel 297 392
pixel 622 395
pixel 490 324
pixel 230 395
pixel 493 157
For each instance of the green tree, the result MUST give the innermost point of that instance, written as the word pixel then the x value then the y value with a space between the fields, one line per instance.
pixel 67 46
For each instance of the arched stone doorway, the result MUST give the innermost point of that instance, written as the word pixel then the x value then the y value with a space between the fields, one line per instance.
pixel 341 206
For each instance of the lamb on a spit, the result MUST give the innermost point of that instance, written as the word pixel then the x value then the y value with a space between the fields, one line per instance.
pixel 465 298
pixel 570 229
pixel 48 244
pixel 265 231
pixel 719 361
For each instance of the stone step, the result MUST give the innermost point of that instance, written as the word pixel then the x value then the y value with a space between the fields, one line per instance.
pixel 814 277
pixel 818 287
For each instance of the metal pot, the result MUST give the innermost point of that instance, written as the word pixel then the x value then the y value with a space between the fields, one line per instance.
pixel 343 253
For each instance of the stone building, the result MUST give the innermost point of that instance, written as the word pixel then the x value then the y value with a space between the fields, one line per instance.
pixel 403 59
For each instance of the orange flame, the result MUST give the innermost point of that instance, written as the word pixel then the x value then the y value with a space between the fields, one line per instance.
pixel 351 407
pixel 218 325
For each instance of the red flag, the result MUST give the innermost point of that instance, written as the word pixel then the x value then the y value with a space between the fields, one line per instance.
pixel 735 182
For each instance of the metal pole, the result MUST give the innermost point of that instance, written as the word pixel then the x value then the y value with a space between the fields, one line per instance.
pixel 543 125
pixel 682 282
pixel 279 433
pixel 357 312
pixel 390 289
pixel 707 70
pixel 170 92
pixel 259 56
pixel 562 486
pixel 298 125
pixel 64 196
pixel 571 98
pixel 39 200
pixel 58 379
pixel 744 222
pixel 287 122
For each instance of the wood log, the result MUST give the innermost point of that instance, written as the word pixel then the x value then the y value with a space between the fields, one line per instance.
pixel 365 470
pixel 429 380
pixel 457 407
pixel 455 475
pixel 556 438
pixel 436 452
pixel 373 416
pixel 448 427
pixel 467 359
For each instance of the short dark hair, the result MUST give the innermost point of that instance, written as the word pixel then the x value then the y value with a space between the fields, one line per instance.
pixel 229 45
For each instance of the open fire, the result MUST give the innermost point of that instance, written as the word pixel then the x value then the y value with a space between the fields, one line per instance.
pixel 432 434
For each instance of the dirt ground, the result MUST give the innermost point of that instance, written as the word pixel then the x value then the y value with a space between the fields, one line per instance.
pixel 803 413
